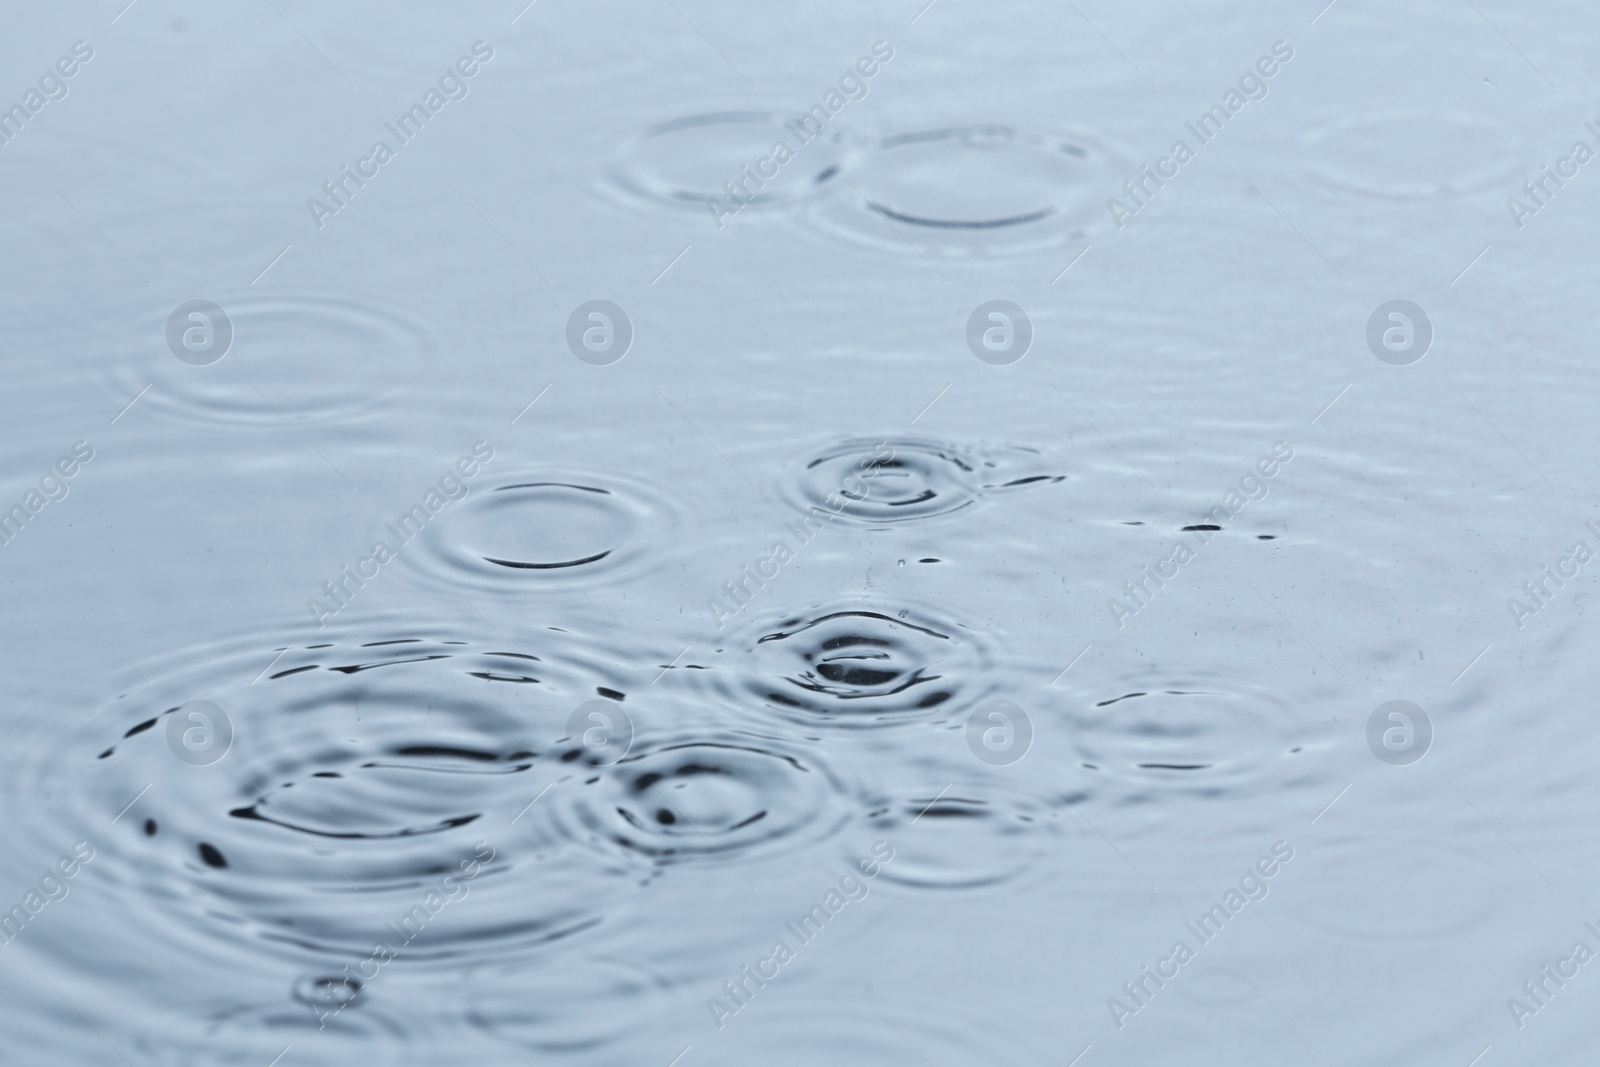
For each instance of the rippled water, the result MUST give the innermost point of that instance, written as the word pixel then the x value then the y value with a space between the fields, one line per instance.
pixel 820 536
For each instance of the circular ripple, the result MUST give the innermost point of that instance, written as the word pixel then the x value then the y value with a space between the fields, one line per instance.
pixel 703 801
pixel 975 190
pixel 966 836
pixel 687 161
pixel 855 667
pixel 547 530
pixel 1407 155
pixel 900 479
pixel 1197 735
pixel 368 792
pixel 300 357
pixel 890 480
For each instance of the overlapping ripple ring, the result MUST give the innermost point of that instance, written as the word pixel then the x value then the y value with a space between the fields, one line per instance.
pixel 364 779
pixel 696 791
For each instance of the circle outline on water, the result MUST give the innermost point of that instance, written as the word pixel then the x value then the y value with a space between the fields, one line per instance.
pixel 1401 716
pixel 1014 723
pixel 950 479
pixel 1017 325
pixel 1011 824
pixel 868 219
pixel 1381 324
pixel 581 725
pixel 181 323
pixel 637 177
pixel 581 324
pixel 846 666
pixel 1318 141
pixel 292 335
pixel 1195 731
pixel 644 527
pixel 181 727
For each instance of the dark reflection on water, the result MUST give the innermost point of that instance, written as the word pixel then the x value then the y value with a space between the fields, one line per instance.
pixel 702 801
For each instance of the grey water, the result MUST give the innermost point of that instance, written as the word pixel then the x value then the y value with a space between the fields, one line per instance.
pixel 686 533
